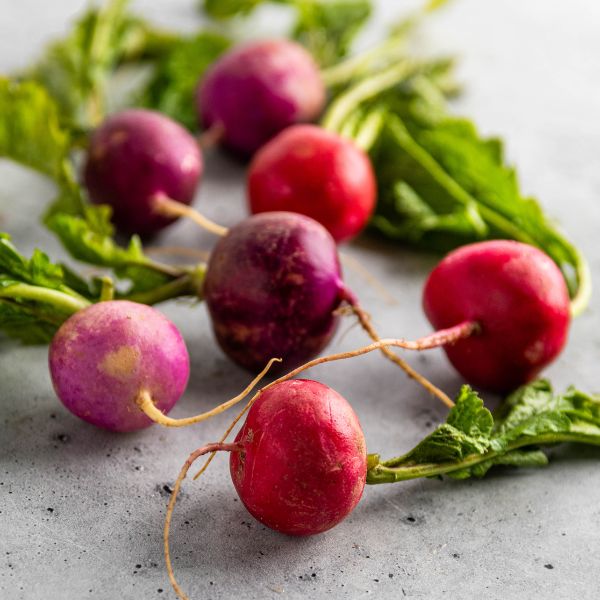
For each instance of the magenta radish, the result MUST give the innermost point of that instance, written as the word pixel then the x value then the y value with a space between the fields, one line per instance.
pixel 121 366
pixel 309 170
pixel 135 158
pixel 518 300
pixel 256 90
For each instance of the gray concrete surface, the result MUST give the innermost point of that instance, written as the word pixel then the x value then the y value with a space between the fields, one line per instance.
pixel 81 510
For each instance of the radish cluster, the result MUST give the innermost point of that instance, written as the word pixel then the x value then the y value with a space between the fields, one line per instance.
pixel 273 287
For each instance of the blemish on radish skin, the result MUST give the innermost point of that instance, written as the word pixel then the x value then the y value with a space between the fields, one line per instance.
pixel 121 363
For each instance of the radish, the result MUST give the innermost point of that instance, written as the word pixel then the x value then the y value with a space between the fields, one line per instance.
pixel 121 365
pixel 254 91
pixel 135 159
pixel 298 464
pixel 312 171
pixel 273 285
pixel 516 298
pixel 302 460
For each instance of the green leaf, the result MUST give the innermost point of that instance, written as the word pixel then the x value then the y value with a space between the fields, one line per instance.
pixel 327 28
pixel 225 9
pixel 35 295
pixel 441 184
pixel 76 70
pixel 89 238
pixel 30 132
pixel 472 441
pixel 176 75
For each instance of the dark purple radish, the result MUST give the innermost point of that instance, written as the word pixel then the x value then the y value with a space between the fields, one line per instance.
pixel 273 284
pixel 258 89
pixel 121 366
pixel 516 297
pixel 137 157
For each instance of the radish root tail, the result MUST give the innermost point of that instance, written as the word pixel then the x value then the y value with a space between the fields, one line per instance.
pixel 146 404
pixel 217 447
pixel 365 321
pixel 165 206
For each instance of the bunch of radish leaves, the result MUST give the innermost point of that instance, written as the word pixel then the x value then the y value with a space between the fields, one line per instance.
pixel 472 440
pixel 440 183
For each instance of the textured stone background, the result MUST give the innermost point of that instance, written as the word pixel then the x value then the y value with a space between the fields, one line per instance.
pixel 81 510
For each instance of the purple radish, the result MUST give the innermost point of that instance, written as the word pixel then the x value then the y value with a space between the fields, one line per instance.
pixel 136 158
pixel 256 90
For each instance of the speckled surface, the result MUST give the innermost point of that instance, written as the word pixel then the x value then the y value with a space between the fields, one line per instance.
pixel 81 510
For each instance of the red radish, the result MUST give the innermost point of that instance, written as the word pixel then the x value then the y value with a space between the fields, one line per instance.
pixel 254 91
pixel 314 172
pixel 103 356
pixel 135 158
pixel 272 286
pixel 299 463
pixel 518 298
pixel 302 463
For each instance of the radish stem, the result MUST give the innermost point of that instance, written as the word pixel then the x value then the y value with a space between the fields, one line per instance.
pixel 167 207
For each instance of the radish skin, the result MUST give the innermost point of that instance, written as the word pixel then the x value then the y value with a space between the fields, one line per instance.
pixel 258 89
pixel 102 356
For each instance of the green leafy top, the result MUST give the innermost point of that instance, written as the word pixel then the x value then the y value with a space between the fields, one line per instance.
pixel 30 130
pixel 176 75
pixel 77 69
pixel 36 295
pixel 326 27
pixel 472 440
pixel 441 184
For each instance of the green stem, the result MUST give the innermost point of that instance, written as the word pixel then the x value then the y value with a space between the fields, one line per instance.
pixel 189 284
pixel 366 89
pixel 66 303
pixel 108 289
pixel 352 67
pixel 392 470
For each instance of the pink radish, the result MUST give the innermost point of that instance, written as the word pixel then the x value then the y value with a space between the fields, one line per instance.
pixel 255 91
pixel 314 172
pixel 102 357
